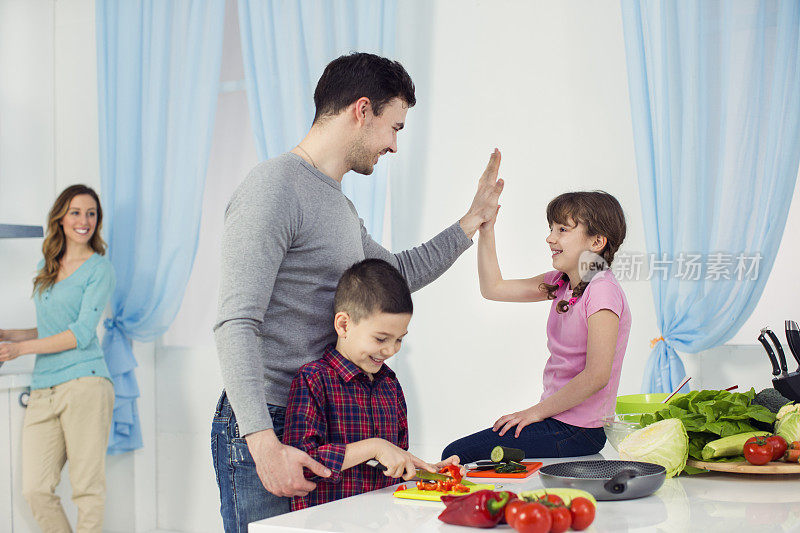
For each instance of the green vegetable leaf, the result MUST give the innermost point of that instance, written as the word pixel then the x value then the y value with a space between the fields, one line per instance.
pixel 711 414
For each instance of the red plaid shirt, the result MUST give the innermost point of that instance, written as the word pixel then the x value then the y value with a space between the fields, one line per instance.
pixel 332 402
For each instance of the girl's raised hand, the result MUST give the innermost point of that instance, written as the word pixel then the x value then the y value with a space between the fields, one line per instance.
pixel 484 204
pixel 489 224
pixel 519 419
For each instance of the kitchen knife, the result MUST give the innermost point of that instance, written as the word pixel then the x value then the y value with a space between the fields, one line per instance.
pixel 776 371
pixel 421 474
pixel 793 339
pixel 779 348
pixel 480 465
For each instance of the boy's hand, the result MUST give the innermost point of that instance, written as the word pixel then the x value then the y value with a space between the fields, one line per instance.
pixel 452 460
pixel 519 419
pixel 280 467
pixel 399 462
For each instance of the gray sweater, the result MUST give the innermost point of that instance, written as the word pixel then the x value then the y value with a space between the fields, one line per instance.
pixel 289 235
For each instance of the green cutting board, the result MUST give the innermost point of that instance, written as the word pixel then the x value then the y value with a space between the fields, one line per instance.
pixel 433 496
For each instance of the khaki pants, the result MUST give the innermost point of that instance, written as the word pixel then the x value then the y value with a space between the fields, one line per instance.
pixel 68 422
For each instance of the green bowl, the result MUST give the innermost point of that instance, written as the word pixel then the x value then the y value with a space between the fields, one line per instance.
pixel 642 403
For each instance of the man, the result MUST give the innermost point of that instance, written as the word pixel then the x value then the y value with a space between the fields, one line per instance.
pixel 289 235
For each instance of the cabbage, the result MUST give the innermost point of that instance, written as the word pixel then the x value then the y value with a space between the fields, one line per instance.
pixel 786 409
pixel 664 443
pixel 788 427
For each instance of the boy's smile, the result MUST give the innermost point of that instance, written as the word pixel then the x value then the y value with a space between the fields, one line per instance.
pixel 372 340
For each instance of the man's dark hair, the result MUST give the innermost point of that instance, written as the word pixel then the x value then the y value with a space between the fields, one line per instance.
pixel 372 286
pixel 350 77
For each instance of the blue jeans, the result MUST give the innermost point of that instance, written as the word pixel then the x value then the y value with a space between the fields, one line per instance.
pixel 548 438
pixel 243 499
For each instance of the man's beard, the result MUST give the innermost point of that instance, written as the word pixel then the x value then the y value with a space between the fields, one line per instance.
pixel 360 159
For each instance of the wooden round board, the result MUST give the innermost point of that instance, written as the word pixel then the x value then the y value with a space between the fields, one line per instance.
pixel 743 467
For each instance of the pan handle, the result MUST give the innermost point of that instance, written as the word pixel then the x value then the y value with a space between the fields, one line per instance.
pixel 618 483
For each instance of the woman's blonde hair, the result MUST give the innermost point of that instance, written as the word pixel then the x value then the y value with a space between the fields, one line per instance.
pixel 55 243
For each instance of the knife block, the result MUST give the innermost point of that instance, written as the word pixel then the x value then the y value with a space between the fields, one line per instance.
pixel 788 386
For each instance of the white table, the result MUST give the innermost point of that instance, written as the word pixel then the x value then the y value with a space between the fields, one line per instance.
pixel 704 502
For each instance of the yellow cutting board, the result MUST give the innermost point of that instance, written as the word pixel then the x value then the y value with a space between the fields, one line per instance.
pixel 433 496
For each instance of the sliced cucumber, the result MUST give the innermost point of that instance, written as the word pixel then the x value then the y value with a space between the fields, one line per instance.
pixel 511 467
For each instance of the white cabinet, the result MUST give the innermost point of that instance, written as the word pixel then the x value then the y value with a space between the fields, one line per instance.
pixel 14 514
pixel 5 465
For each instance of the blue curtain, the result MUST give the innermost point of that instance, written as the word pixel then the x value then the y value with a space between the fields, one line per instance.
pixel 285 46
pixel 158 68
pixel 715 103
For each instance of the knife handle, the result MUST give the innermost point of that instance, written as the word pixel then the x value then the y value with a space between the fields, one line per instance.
pixel 376 465
pixel 793 339
pixel 779 349
pixel 775 368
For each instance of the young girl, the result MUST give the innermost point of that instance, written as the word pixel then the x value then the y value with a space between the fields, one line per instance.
pixel 587 332
pixel 72 399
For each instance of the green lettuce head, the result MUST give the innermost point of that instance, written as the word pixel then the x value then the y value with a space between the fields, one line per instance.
pixel 788 427
pixel 664 443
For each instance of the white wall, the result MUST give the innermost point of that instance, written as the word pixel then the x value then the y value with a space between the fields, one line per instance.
pixel 27 173
pixel 546 83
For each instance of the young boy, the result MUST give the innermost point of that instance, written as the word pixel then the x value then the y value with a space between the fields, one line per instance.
pixel 347 407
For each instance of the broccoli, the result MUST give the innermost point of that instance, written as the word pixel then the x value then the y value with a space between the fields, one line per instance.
pixel 771 399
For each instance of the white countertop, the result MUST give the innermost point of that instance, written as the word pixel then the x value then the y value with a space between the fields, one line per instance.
pixel 703 502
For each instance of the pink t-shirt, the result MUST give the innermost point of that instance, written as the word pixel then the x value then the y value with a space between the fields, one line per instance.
pixel 567 335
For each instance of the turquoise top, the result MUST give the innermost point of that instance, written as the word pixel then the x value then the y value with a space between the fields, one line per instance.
pixel 75 303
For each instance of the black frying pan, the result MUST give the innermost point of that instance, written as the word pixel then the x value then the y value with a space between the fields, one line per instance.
pixel 606 480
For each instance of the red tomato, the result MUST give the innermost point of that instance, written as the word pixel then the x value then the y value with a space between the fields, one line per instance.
pixel 561 518
pixel 552 498
pixel 512 510
pixel 758 452
pixel 400 487
pixel 533 518
pixel 582 512
pixel 779 446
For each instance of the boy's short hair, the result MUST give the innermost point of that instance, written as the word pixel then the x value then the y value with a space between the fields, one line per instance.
pixel 350 77
pixel 372 286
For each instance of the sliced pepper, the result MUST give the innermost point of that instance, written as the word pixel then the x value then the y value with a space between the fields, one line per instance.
pixel 453 471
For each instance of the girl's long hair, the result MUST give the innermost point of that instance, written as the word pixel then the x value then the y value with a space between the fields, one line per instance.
pixel 602 215
pixel 55 243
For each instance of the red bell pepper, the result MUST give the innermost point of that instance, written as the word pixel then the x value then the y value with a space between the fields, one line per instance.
pixel 453 471
pixel 483 508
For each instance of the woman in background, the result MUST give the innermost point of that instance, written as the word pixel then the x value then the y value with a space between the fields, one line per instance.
pixel 72 397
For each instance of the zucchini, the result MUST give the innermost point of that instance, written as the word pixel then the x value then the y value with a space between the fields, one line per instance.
pixel 729 446
pixel 501 454
pixel 565 494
